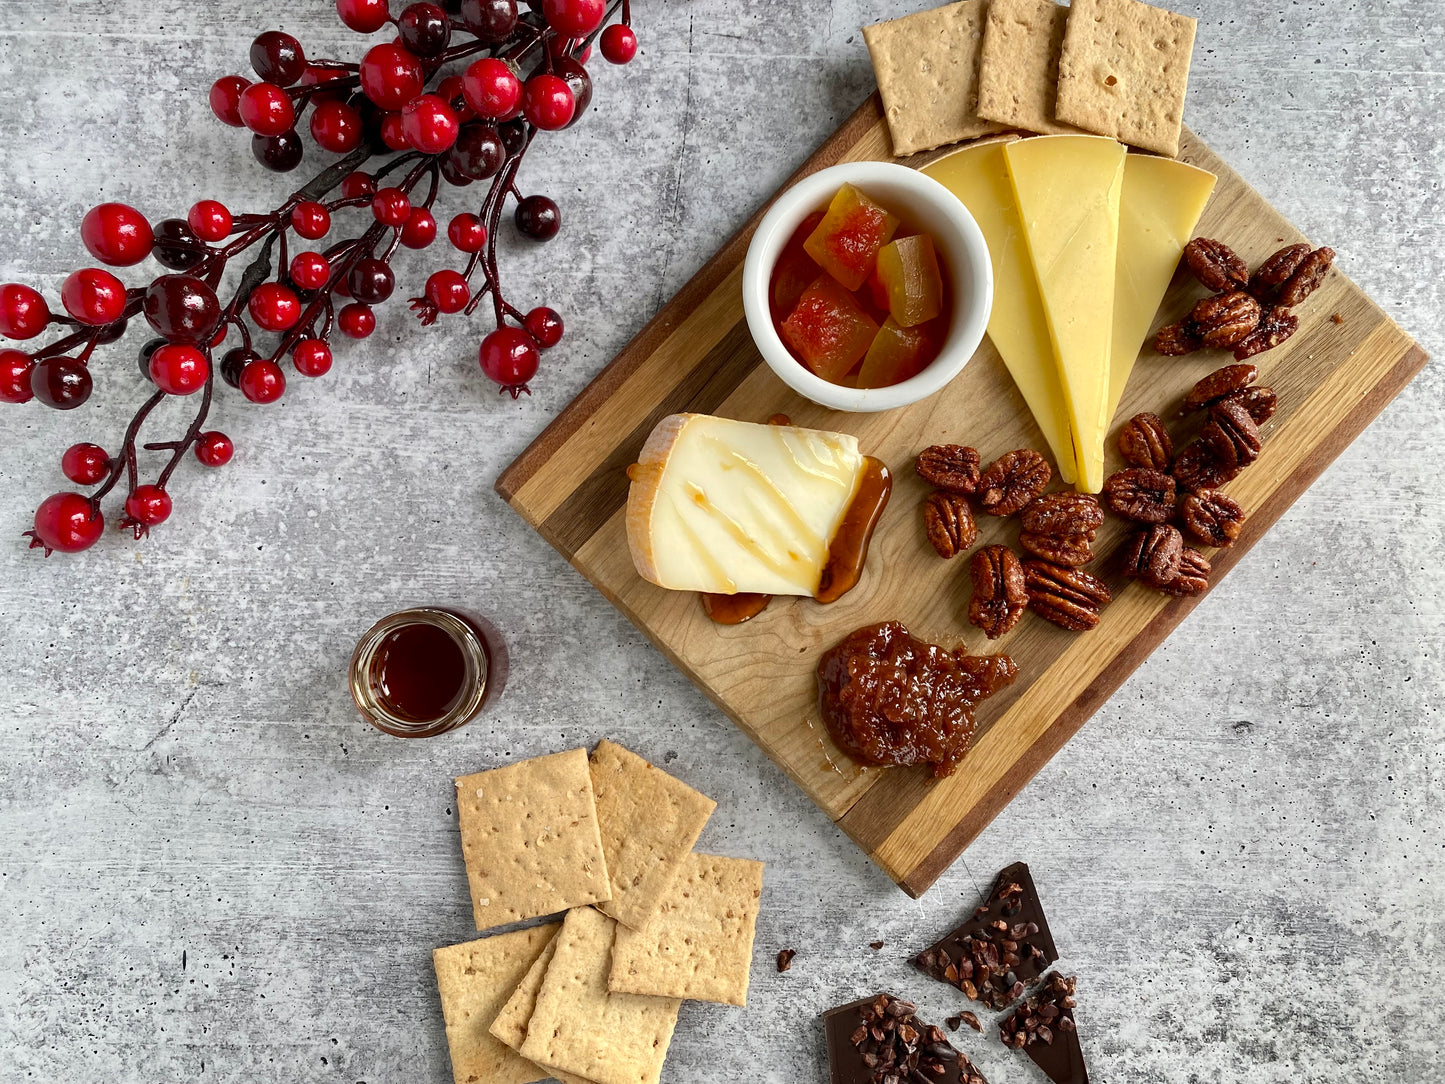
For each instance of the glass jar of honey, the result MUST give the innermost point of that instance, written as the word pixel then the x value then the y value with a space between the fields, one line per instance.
pixel 424 671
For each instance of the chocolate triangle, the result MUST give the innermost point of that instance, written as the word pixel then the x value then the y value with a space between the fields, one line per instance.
pixel 880 1037
pixel 1043 1027
pixel 977 956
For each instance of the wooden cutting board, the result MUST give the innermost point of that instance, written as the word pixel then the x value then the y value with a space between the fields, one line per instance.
pixel 1338 371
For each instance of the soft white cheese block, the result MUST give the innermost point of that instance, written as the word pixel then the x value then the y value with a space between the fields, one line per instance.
pixel 725 506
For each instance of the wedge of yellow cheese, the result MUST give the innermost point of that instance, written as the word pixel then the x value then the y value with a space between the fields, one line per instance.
pixel 979 177
pixel 1067 190
pixel 725 506
pixel 1158 209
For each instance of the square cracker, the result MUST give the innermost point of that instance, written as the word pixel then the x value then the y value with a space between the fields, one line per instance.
pixel 530 839
pixel 579 1027
pixel 649 822
pixel 927 70
pixel 510 1025
pixel 700 945
pixel 1124 71
pixel 1018 73
pixel 475 980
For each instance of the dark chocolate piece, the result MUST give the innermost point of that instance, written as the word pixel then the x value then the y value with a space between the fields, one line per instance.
pixel 1002 948
pixel 880 1038
pixel 1043 1028
pixel 785 958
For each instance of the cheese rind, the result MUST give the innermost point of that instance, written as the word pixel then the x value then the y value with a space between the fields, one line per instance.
pixel 1067 190
pixel 1161 203
pixel 725 507
pixel 978 176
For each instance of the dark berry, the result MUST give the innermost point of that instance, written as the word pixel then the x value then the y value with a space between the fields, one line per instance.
pixel 371 281
pixel 478 152
pixel 424 29
pixel 279 153
pixel 514 136
pixel 182 309
pixel 578 82
pixel 62 383
pixel 278 58
pixel 490 20
pixel 145 354
pixel 539 218
pixel 231 364
pixel 177 246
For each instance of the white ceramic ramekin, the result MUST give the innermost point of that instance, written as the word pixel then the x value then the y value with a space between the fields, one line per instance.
pixel 929 206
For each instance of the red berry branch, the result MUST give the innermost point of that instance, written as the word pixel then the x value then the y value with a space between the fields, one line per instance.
pixel 496 76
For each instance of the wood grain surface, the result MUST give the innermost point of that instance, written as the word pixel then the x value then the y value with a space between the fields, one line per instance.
pixel 1344 364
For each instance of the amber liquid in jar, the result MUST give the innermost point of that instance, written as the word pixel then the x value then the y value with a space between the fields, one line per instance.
pixel 425 671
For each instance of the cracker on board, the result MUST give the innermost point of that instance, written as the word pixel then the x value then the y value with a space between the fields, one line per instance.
pixel 927 70
pixel 649 822
pixel 1124 71
pixel 700 944
pixel 1018 73
pixel 530 839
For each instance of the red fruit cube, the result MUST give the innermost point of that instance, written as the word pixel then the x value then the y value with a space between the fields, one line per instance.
pixel 908 272
pixel 828 331
pixel 794 270
pixel 847 241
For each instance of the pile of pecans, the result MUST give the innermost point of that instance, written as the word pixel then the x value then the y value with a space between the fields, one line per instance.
pixel 896 1046
pixel 1057 528
pixel 1041 1015
pixel 1248 314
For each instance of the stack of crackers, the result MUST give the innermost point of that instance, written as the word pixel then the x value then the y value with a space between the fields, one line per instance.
pixel 607 839
pixel 1118 68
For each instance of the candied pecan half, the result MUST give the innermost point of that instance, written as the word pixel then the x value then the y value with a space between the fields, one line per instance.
pixel 949 466
pixel 1069 597
pixel 1224 320
pixel 1306 278
pixel 1063 514
pixel 1215 265
pixel 1176 340
pixel 1144 442
pixel 1218 384
pixel 1270 275
pixel 1141 494
pixel 999 595
pixel 1152 556
pixel 1012 480
pixel 1231 435
pixel 1197 467
pixel 1072 550
pixel 949 523
pixel 1259 400
pixel 1275 327
pixel 1192 577
pixel 1211 518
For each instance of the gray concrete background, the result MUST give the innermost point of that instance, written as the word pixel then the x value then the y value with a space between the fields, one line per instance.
pixel 211 870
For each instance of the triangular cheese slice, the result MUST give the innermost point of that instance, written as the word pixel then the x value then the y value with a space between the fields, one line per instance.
pixel 1067 189
pixel 1160 206
pixel 979 178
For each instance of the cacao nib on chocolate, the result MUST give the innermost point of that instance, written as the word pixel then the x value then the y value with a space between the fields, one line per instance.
pixel 880 1040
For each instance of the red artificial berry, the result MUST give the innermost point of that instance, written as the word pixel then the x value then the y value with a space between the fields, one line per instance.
pixel 23 312
pixel 266 109
pixel 619 44
pixel 448 291
pixel 179 369
pixel 584 56
pixel 356 185
pixel 391 207
pixel 311 220
pixel 363 16
pixel 492 89
pixel 547 102
pixel 210 220
pixel 315 75
pixel 544 325
pixel 312 357
pixel 262 381
pixel 391 76
pixel 116 234
pixel 214 449
pixel 85 464
pixel 450 90
pixel 15 369
pixel 147 507
pixel 226 99
pixel 430 124
pixel 93 296
pixel 336 127
pixel 420 229
pixel 356 320
pixel 310 270
pixel 466 233
pixel 274 307
pixel 574 18
pixel 509 357
pixel 393 132
pixel 66 522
